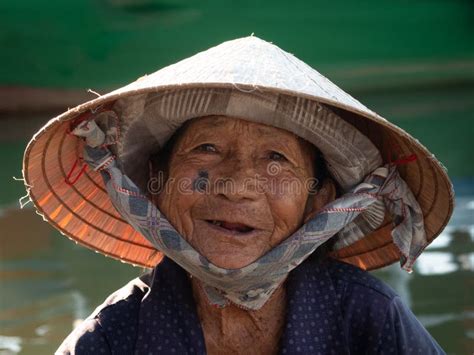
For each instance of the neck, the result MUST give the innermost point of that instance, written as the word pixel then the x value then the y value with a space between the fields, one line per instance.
pixel 233 330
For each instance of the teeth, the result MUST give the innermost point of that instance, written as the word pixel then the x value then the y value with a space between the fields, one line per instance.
pixel 238 229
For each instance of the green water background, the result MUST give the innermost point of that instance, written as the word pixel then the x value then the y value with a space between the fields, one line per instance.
pixel 412 62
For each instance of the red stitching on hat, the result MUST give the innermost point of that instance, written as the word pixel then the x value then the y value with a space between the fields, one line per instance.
pixel 68 177
pixel 405 160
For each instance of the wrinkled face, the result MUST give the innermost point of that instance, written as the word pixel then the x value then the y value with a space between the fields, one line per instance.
pixel 235 189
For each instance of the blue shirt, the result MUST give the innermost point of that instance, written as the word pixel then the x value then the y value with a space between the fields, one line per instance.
pixel 332 308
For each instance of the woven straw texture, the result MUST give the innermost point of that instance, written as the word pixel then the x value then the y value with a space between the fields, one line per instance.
pixel 83 212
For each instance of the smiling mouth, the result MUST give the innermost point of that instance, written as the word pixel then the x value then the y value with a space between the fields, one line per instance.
pixel 232 227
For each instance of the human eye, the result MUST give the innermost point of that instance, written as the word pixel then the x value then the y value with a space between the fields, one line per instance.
pixel 277 156
pixel 206 147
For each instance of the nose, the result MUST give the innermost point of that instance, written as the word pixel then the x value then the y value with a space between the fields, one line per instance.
pixel 237 180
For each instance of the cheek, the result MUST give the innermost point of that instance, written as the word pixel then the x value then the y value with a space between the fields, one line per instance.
pixel 287 199
pixel 285 184
pixel 179 196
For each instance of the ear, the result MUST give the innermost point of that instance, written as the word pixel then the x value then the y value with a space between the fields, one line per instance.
pixel 316 201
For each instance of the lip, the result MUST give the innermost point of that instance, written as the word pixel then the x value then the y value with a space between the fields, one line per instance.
pixel 233 233
pixel 237 219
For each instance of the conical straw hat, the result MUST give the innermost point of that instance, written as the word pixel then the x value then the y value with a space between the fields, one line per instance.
pixel 250 66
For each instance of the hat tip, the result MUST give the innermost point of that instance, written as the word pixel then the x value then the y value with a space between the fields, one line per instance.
pixel 253 38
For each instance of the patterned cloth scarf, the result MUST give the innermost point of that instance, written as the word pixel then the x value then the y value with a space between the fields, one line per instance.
pixel 251 286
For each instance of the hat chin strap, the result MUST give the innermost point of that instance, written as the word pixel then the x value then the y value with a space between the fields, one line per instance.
pixel 251 286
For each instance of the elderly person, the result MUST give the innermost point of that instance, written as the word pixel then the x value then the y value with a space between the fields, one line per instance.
pixel 258 192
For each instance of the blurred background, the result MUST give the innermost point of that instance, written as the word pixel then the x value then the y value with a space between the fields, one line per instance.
pixel 410 61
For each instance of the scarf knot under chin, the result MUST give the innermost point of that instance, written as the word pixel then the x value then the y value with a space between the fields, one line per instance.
pixel 351 217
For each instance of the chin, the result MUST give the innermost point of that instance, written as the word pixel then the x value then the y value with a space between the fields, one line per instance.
pixel 229 249
pixel 231 260
pixel 227 262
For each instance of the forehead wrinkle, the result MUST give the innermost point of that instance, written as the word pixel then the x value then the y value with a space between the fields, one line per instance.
pixel 218 121
pixel 199 127
pixel 275 132
pixel 283 139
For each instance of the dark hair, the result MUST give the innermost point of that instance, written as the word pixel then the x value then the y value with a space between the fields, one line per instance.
pixel 160 160
pixel 321 173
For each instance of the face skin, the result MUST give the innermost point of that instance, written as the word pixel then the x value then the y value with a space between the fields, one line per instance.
pixel 236 189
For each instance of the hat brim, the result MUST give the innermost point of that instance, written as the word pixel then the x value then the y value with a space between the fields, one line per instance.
pixel 83 212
